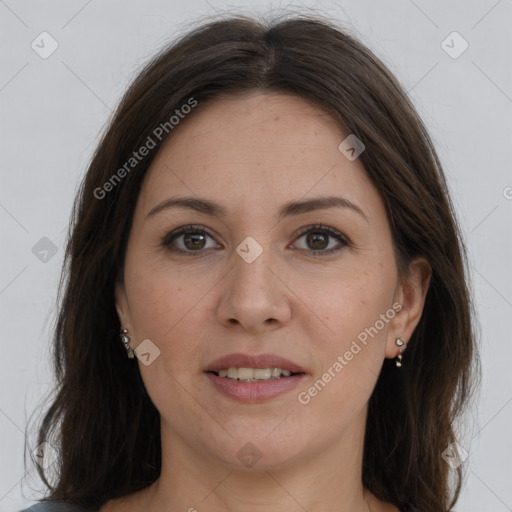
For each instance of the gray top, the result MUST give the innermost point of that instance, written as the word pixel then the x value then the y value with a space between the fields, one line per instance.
pixel 55 506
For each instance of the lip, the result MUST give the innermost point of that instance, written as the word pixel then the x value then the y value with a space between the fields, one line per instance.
pixel 239 360
pixel 254 391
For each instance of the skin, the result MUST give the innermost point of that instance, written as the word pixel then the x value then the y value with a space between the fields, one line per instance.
pixel 252 154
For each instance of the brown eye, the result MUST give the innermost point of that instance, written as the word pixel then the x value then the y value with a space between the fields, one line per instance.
pixel 187 240
pixel 319 239
pixel 194 241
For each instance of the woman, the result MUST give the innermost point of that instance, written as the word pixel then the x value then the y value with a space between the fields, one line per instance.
pixel 266 300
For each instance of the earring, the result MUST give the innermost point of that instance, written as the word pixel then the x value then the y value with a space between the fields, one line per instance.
pixel 400 343
pixel 126 341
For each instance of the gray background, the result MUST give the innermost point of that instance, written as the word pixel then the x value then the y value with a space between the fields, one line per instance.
pixel 53 109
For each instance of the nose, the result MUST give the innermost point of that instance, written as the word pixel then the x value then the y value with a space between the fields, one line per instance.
pixel 253 297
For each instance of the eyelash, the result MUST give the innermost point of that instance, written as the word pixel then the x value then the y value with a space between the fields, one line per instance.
pixel 317 228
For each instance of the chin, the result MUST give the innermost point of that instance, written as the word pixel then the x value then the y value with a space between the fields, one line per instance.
pixel 258 452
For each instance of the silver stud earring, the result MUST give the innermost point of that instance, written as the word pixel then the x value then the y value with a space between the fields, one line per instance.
pixel 126 341
pixel 399 343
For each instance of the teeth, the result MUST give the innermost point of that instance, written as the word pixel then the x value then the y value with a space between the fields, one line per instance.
pixel 258 373
pixel 254 374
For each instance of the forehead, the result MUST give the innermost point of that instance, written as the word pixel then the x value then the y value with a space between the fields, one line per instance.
pixel 269 147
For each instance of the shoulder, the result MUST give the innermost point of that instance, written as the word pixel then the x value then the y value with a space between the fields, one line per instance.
pixel 55 506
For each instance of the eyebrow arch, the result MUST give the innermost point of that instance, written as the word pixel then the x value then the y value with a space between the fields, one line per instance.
pixel 292 208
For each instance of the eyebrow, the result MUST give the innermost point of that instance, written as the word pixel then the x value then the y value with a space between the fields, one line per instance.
pixel 292 208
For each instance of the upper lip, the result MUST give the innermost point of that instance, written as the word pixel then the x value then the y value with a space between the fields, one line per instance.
pixel 239 360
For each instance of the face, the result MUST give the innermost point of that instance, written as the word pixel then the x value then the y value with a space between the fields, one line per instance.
pixel 316 284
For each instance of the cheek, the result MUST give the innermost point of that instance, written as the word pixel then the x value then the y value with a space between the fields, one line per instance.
pixel 357 311
pixel 352 301
pixel 348 360
pixel 171 308
pixel 165 310
pixel 163 299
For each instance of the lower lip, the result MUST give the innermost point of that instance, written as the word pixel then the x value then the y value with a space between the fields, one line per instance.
pixel 254 391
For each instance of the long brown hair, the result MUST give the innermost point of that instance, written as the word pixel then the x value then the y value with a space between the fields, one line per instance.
pixel 101 418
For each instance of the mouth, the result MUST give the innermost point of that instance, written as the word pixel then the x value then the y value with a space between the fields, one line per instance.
pixel 258 378
pixel 254 374
pixel 254 363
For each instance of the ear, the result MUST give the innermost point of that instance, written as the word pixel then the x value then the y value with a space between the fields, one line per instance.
pixel 411 293
pixel 121 303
